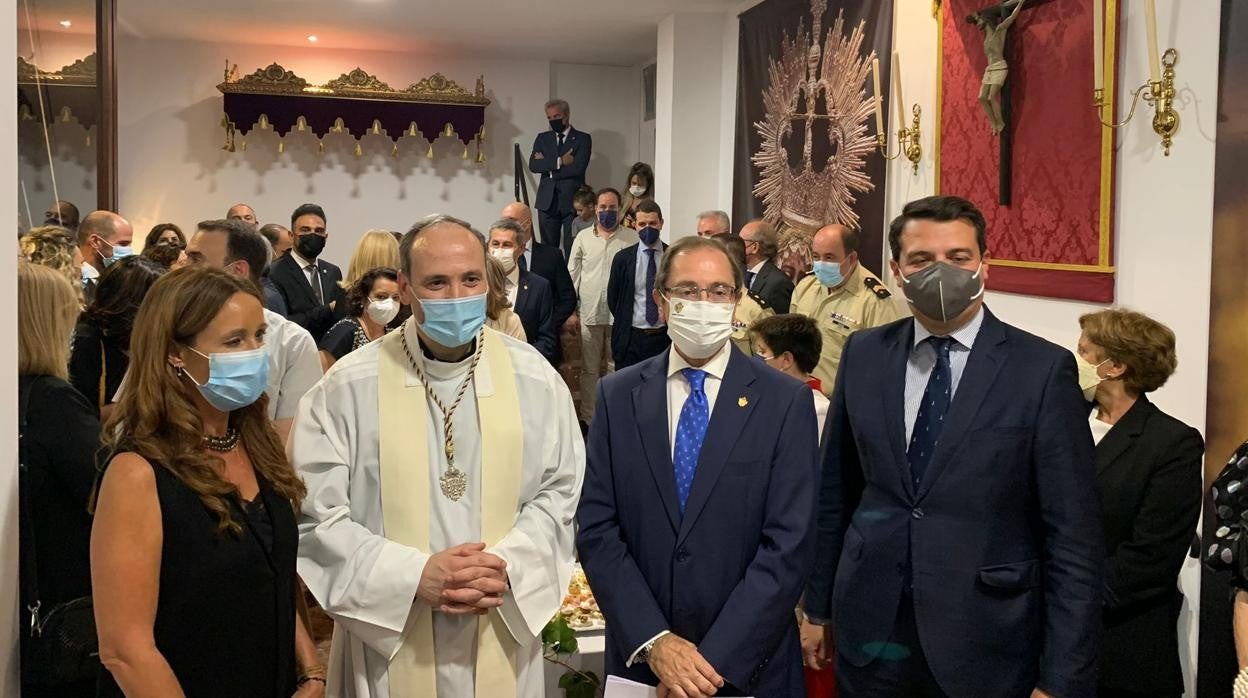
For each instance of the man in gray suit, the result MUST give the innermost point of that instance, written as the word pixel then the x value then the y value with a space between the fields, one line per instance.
pixel 762 276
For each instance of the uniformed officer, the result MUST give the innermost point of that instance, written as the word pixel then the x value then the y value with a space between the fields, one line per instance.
pixel 841 296
pixel 750 305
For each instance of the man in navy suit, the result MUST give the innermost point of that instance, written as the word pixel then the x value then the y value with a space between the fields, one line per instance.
pixel 960 549
pixel 528 293
pixel 309 284
pixel 638 331
pixel 696 519
pixel 560 156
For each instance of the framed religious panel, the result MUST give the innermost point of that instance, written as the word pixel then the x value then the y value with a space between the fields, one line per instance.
pixel 1020 137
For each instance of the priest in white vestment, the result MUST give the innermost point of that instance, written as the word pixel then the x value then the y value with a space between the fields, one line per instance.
pixel 395 500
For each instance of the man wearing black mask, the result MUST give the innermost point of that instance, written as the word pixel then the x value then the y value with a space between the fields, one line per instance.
pixel 308 284
pixel 560 157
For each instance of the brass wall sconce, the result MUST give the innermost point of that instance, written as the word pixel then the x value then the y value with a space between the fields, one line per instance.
pixel 907 141
pixel 1160 93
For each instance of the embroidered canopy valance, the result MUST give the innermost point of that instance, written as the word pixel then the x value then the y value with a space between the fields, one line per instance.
pixel 357 103
pixel 60 95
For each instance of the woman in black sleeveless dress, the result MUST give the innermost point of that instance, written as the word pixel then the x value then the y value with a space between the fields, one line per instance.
pixel 194 542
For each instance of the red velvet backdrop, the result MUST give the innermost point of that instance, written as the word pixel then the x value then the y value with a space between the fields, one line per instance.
pixel 1048 242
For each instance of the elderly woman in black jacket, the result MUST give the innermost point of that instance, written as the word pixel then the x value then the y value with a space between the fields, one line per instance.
pixel 1149 470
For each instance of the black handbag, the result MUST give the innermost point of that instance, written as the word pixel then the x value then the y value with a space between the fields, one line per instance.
pixel 61 646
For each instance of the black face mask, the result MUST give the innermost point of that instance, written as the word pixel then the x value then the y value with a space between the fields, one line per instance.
pixel 556 125
pixel 310 245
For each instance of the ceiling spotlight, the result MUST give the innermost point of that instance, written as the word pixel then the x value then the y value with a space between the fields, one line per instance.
pixel 66 23
pixel 312 38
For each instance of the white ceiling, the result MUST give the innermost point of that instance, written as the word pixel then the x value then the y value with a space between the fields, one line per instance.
pixel 619 32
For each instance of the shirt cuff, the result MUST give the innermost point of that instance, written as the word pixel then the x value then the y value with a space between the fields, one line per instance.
pixel 632 658
pixel 816 621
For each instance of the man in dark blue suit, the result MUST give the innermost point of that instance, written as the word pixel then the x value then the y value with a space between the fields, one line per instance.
pixel 638 331
pixel 560 156
pixel 530 294
pixel 960 545
pixel 697 515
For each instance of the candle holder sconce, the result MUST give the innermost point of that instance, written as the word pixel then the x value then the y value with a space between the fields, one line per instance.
pixel 1158 93
pixel 907 141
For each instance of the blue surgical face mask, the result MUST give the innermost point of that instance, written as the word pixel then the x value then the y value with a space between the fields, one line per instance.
pixel 453 322
pixel 648 235
pixel 608 219
pixel 829 273
pixel 235 379
pixel 120 252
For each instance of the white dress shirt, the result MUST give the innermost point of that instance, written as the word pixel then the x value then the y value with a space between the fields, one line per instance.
pixel 754 270
pixel 678 390
pixel 639 284
pixel 528 254
pixel 513 285
pixel 1099 428
pixel 303 264
pixel 923 359
pixel 589 264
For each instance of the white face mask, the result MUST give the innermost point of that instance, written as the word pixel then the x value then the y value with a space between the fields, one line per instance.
pixel 383 311
pixel 636 191
pixel 1089 379
pixel 699 328
pixel 505 256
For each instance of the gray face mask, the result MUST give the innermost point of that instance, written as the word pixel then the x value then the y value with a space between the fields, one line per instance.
pixel 942 291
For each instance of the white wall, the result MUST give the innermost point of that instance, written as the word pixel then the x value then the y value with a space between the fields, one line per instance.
pixel 172 167
pixel 9 664
pixel 689 159
pixel 606 103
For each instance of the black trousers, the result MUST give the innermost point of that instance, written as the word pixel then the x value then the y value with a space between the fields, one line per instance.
pixel 552 223
pixel 900 670
pixel 641 345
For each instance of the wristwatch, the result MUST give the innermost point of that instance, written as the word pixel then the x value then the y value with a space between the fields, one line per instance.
pixel 643 655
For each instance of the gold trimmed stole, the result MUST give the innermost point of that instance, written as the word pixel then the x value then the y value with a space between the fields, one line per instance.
pixel 405 502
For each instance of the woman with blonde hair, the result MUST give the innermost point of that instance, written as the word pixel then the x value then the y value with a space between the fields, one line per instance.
pixel 55 247
pixel 498 313
pixel 376 248
pixel 60 435
pixel 194 539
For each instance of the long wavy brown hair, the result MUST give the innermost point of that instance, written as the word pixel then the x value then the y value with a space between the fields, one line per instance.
pixel 157 416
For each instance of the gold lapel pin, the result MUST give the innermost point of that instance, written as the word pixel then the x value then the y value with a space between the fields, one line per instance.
pixel 742 402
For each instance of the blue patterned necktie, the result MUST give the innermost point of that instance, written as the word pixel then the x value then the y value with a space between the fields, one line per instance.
pixel 652 308
pixel 749 279
pixel 690 431
pixel 931 418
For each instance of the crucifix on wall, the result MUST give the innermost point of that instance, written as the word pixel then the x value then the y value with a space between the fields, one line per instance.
pixel 994 95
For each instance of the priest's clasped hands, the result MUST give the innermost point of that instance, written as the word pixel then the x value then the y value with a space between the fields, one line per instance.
pixel 463 580
pixel 682 670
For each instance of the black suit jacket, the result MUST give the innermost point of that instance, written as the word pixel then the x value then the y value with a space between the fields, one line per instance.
pixel 302 307
pixel 774 287
pixel 1002 539
pixel 559 183
pixel 548 263
pixel 726 574
pixel 620 287
pixel 1149 471
pixel 535 307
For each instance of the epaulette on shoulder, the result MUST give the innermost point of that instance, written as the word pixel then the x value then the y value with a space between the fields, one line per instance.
pixel 879 289
pixel 757 299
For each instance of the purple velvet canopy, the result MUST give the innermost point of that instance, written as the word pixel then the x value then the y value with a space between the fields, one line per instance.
pixel 355 103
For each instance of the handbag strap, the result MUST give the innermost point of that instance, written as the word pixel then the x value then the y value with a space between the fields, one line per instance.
pixel 30 575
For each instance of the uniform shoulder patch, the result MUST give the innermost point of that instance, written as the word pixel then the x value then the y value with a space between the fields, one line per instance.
pixel 877 287
pixel 757 299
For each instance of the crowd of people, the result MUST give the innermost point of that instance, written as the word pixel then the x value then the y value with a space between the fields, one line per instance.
pixel 954 506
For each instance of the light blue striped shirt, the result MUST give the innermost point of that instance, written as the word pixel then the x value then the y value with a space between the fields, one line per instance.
pixel 639 284
pixel 923 359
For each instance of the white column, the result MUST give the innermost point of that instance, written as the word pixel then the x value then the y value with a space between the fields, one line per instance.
pixel 689 160
pixel 9 664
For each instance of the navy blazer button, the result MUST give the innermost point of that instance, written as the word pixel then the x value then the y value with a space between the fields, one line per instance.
pixel 917 513
pixel 682 555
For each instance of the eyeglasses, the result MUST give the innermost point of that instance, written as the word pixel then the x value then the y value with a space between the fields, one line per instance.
pixel 718 293
pixel 763 356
